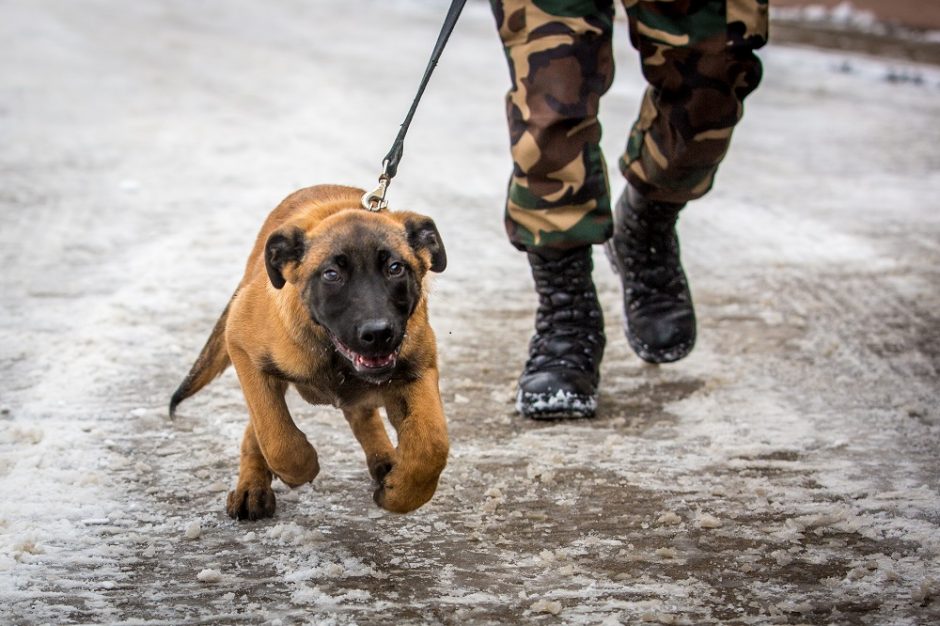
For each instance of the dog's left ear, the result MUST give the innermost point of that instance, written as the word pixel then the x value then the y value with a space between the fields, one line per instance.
pixel 423 235
pixel 284 246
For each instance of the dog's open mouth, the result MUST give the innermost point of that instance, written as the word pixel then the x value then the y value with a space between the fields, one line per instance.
pixel 366 364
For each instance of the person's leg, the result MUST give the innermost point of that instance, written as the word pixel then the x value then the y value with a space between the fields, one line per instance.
pixel 560 63
pixel 698 57
pixel 558 204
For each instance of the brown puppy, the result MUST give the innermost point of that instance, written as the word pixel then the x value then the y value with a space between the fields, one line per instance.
pixel 332 301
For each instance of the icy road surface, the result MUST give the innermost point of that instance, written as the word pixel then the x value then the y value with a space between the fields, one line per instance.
pixel 787 472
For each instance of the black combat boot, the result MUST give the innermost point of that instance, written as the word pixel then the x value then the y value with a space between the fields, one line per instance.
pixel 644 250
pixel 561 376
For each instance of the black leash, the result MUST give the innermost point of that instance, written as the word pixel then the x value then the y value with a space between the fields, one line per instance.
pixel 375 200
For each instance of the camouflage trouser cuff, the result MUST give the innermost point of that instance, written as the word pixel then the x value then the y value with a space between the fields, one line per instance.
pixel 534 223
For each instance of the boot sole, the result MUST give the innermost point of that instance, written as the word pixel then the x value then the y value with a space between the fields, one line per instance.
pixel 557 406
pixel 669 355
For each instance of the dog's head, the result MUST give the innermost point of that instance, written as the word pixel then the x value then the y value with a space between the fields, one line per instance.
pixel 359 275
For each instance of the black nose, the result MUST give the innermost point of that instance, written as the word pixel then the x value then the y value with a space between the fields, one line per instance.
pixel 376 334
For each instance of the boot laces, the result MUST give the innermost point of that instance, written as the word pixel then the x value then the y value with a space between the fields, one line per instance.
pixel 649 251
pixel 569 323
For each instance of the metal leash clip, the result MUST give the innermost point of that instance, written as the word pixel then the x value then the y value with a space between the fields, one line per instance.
pixel 375 200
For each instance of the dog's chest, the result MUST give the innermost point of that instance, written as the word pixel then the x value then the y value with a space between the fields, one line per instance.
pixel 343 393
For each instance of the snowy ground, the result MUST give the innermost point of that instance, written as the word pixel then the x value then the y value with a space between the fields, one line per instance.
pixel 788 471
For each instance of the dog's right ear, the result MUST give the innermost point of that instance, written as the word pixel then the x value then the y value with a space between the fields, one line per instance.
pixel 284 246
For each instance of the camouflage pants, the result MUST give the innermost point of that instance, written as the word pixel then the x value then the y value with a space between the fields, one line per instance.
pixel 698 58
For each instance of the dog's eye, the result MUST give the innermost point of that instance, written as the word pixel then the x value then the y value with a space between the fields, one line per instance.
pixel 396 269
pixel 330 276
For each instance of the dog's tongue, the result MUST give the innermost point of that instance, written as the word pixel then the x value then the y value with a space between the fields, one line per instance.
pixel 374 362
pixel 362 362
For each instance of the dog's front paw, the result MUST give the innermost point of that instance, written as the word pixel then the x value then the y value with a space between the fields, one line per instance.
pixel 380 466
pixel 295 465
pixel 251 502
pixel 402 493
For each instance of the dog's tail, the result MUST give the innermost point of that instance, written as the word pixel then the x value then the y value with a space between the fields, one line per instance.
pixel 212 361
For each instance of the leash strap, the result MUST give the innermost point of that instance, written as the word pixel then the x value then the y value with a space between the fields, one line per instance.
pixel 375 200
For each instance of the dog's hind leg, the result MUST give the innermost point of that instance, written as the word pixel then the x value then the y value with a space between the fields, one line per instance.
pixel 253 497
pixel 369 430
pixel 421 455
